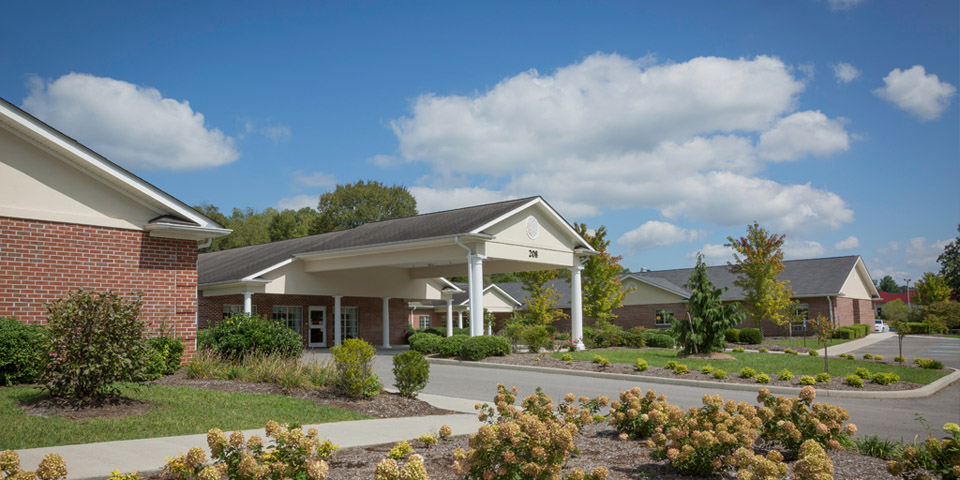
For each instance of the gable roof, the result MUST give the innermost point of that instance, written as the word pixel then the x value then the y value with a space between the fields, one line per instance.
pixel 463 298
pixel 174 218
pixel 249 262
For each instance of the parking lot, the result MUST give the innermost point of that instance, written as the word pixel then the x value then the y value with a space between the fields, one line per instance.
pixel 944 349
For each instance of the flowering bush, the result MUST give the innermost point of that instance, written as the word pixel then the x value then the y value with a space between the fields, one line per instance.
pixel 823 377
pixel 389 469
pixel 785 375
pixel 747 372
pixel 706 370
pixel 719 374
pixel 792 421
pixel 813 463
pixel 790 351
pixel 704 437
pixel 940 457
pixel 854 381
pixel 752 466
pixel 52 467
pixel 885 378
pixel 292 455
pixel 807 380
pixel 642 365
pixel 681 369
pixel 763 378
pixel 639 415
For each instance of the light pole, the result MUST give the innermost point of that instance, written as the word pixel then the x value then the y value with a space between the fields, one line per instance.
pixel 908 290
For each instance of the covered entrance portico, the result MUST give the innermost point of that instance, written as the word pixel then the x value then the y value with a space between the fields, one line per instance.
pixel 403 259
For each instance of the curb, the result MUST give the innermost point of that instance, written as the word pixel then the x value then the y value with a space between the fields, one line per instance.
pixel 922 392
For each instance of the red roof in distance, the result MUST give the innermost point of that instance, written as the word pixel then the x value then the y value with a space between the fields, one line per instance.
pixel 889 297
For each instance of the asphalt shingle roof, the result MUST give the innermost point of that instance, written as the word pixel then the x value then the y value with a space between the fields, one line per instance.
pixel 238 263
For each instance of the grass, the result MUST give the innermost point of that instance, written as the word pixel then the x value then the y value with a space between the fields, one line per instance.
pixel 765 363
pixel 813 343
pixel 177 411
pixel 286 372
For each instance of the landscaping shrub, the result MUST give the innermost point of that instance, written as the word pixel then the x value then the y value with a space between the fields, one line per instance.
pixel 845 333
pixel 763 378
pixel 899 359
pixel 52 467
pixel 389 469
pixel 681 369
pixel 425 343
pixel 636 337
pixel 693 450
pixel 738 350
pixel 862 372
pixel 706 370
pixel 750 465
pixel 751 336
pixel 566 357
pixel 719 374
pixel 878 357
pixel 401 450
pixel 536 337
pixel 764 350
pixel 23 351
pixel 792 421
pixel 812 353
pixel 96 340
pixel 670 365
pixel 354 363
pixel 928 363
pixel 867 356
pixel 639 415
pixel 411 372
pixel 885 378
pixel 240 335
pixel 747 372
pixel 606 334
pixel 732 335
pixel 790 351
pixel 659 340
pixel 438 331
pixel 601 361
pixel 164 356
pixel 292 454
pixel 807 380
pixel 854 381
pixel 478 348
pixel 276 369
pixel 642 365
pixel 823 377
pixel 450 346
pixel 848 356
pixel 813 463
pixel 939 457
pixel 918 328
pixel 785 375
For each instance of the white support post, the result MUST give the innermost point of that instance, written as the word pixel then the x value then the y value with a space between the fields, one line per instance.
pixel 337 321
pixel 476 294
pixel 386 322
pixel 490 329
pixel 459 318
pixel 248 303
pixel 576 307
pixel 450 317
pixel 471 298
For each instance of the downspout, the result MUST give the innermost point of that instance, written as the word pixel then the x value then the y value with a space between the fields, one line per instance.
pixel 830 306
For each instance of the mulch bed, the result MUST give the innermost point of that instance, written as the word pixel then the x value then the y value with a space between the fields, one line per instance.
pixel 545 360
pixel 108 408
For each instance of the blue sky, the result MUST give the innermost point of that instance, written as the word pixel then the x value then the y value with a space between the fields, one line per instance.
pixel 675 124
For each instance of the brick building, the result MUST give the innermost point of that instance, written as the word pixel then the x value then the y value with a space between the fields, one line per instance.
pixel 71 219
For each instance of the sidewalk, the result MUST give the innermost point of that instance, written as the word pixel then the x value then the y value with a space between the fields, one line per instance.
pixel 97 460
pixel 854 345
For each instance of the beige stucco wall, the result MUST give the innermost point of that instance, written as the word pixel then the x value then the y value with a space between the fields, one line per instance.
pixel 36 185
pixel 392 282
pixel 855 286
pixel 645 294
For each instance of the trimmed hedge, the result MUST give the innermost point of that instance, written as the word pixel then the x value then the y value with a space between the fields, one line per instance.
pixel 751 336
pixel 450 346
pixel 732 335
pixel 240 335
pixel 23 351
pixel 478 348
pixel 659 340
pixel 425 343
pixel 917 328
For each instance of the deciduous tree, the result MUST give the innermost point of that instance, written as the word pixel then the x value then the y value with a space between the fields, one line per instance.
pixel 602 291
pixel 542 304
pixel 932 288
pixel 950 265
pixel 759 259
pixel 899 315
pixel 352 205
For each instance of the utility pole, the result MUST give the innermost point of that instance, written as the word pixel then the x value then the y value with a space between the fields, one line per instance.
pixel 908 290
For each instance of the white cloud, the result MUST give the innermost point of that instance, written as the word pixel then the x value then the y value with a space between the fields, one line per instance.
pixel 837 5
pixel 386 161
pixel 802 249
pixel 922 95
pixel 297 202
pixel 845 72
pixel 849 243
pixel 657 234
pixel 315 179
pixel 132 125
pixel 714 254
pixel 435 200
pixel 803 133
pixel 612 132
pixel 891 247
pixel 922 255
pixel 277 133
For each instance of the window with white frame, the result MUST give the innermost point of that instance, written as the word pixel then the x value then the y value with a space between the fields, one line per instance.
pixel 349 322
pixel 803 311
pixel 291 316
pixel 424 321
pixel 231 310
pixel 663 317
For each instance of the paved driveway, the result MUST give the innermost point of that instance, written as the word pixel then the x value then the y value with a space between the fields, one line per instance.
pixel 945 349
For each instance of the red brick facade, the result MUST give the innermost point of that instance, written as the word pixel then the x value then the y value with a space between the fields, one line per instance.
pixel 43 261
pixel 370 311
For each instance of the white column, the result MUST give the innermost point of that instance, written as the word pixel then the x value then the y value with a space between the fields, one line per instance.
pixel 386 322
pixel 248 303
pixel 450 317
pixel 576 307
pixel 476 294
pixel 337 327
pixel 471 299
pixel 490 329
pixel 459 318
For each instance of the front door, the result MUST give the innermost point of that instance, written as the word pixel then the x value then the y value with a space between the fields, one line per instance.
pixel 318 327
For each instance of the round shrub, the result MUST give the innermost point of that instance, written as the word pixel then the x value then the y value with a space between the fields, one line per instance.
pixel 751 336
pixel 23 351
pixel 785 375
pixel 763 378
pixel 823 377
pixel 867 356
pixel 763 350
pixel 240 335
pixel 450 346
pixel 411 372
pixel 854 381
pixel 807 380
pixel 706 370
pixel 659 340
pixel 719 374
pixel 738 350
pixel 642 365
pixel 790 351
pixel 425 343
pixel 862 372
pixel 353 360
pixel 478 348
pixel 165 353
pixel 899 359
pixel 635 337
pixel 885 378
pixel 566 357
pixel 878 357
pixel 732 335
pixel 681 369
pixel 536 337
pixel 812 353
pixel 747 372
pixel 670 365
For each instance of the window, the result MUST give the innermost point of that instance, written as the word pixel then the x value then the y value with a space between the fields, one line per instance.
pixel 231 310
pixel 349 317
pixel 663 317
pixel 803 311
pixel 424 321
pixel 291 316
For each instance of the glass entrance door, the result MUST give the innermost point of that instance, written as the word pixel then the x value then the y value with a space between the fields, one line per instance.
pixel 318 327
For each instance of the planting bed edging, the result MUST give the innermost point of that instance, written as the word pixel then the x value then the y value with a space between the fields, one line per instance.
pixel 922 392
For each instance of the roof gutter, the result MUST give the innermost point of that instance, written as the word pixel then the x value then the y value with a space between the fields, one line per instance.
pixel 324 253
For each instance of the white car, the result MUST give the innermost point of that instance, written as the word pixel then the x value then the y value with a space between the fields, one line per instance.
pixel 879 326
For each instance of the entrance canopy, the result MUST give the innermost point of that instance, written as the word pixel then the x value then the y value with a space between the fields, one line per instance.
pixel 407 257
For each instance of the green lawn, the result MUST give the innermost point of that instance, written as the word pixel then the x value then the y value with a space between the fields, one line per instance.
pixel 813 343
pixel 177 411
pixel 768 363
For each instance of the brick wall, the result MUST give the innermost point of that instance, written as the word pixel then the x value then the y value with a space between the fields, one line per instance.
pixel 43 261
pixel 369 323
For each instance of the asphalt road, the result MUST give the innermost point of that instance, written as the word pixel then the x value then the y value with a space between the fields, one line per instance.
pixel 945 349
pixel 895 419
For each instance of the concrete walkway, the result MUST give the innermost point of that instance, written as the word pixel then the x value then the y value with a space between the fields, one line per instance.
pixel 97 460
pixel 854 345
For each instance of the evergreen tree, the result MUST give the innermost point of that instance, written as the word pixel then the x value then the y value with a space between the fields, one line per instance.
pixel 708 317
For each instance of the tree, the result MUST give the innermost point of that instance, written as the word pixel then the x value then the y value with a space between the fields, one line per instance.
pixel 822 327
pixel 899 315
pixel 292 224
pixel 888 284
pixel 541 306
pixel 708 317
pixel 352 205
pixel 249 226
pixel 601 288
pixel 932 288
pixel 950 265
pixel 759 259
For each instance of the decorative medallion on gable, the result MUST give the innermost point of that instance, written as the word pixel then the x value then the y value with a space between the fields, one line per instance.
pixel 533 227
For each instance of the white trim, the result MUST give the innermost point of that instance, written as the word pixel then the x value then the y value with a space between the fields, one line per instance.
pixel 385 246
pixel 451 284
pixel 556 216
pixel 173 230
pixel 267 270
pixel 679 293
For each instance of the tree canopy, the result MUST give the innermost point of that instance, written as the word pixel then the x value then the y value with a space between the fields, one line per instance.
pixel 542 304
pixel 759 259
pixel 932 288
pixel 602 291
pixel 950 265
pixel 703 331
pixel 889 285
pixel 352 205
